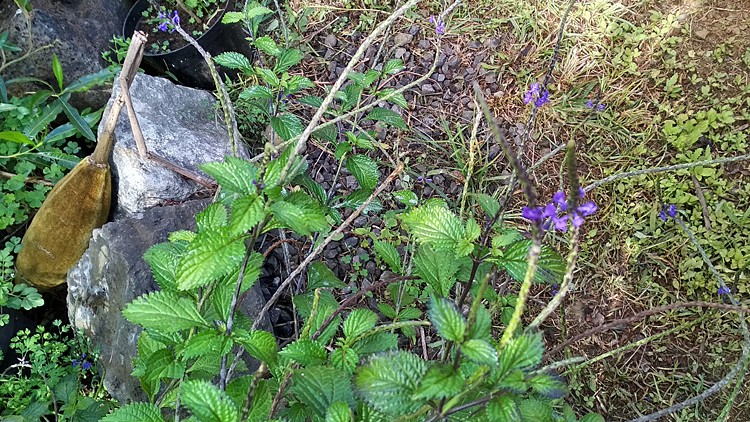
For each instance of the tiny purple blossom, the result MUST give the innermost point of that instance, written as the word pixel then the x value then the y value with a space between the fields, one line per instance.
pixel 86 365
pixel 589 104
pixel 531 93
pixel 175 18
pixel 543 99
pixel 439 25
pixel 724 290
pixel 163 27
pixel 532 214
pixel 668 211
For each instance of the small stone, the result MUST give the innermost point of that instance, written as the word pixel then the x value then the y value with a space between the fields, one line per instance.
pixel 360 221
pixel 402 39
pixel 440 77
pixel 424 44
pixel 702 33
pixel 428 89
pixel 474 45
pixel 453 61
pixel 371 267
pixel 351 242
pixel 399 53
pixel 330 41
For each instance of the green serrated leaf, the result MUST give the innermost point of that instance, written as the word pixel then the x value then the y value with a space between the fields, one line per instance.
pixel 514 382
pixel 389 117
pixel 480 351
pixel 355 200
pixel 406 197
pixel 438 272
pixel 389 254
pixel 389 381
pixel 359 322
pixel 303 219
pixel 287 126
pixel 472 230
pixel 273 172
pixel 440 381
pixel 314 102
pixel 163 259
pixel 448 322
pixel 435 225
pixel 256 92
pixel 253 10
pixel 339 412
pixel 233 60
pixel 318 387
pixel 550 267
pixel 143 412
pixel 232 17
pixel 212 218
pixel 535 410
pixel 482 327
pixel 207 403
pixel 503 409
pixel 397 99
pixel 234 175
pixel 305 352
pixel 524 351
pixel 212 254
pixel 287 59
pixel 393 66
pixel 247 212
pixel 267 45
pixel 205 342
pixel 182 236
pixel 489 204
pixel 345 358
pixel 548 385
pixel 260 344
pixel 267 75
pixel 164 311
pixel 592 417
pixel 364 169
pixel 320 276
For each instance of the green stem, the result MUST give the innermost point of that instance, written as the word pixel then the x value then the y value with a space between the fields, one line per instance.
pixel 523 294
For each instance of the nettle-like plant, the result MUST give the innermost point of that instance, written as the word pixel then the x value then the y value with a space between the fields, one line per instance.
pixel 342 367
pixel 348 362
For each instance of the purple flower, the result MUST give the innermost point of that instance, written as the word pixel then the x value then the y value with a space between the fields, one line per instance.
pixel 531 93
pixel 668 211
pixel 599 106
pixel 724 290
pixel 164 26
pixel 175 18
pixel 85 364
pixel 439 25
pixel 536 95
pixel 555 289
pixel 558 212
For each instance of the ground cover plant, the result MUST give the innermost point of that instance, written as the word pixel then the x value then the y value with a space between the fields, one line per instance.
pixel 585 205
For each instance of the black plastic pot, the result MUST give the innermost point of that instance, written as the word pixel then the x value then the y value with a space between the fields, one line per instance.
pixel 185 63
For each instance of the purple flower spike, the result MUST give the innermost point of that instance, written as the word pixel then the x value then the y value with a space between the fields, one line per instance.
pixel 672 210
pixel 439 25
pixel 532 214
pixel 531 93
pixel 668 212
pixel 587 209
pixel 175 18
pixel 543 99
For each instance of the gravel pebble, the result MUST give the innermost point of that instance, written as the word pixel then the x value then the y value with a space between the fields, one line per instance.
pixel 402 39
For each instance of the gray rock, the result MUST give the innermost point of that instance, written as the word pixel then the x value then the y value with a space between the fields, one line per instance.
pixel 427 89
pixel 330 40
pixel 180 125
pixel 402 39
pixel 78 30
pixel 111 274
pixel 400 53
